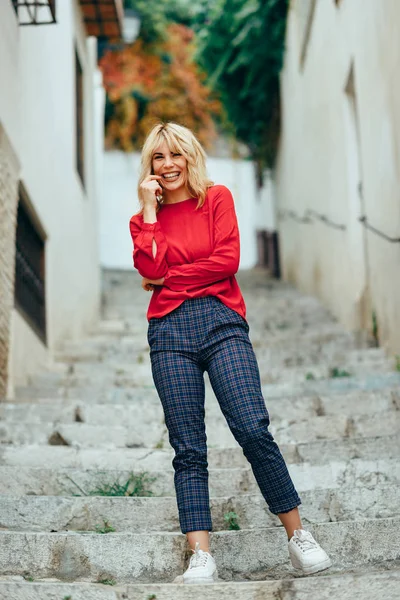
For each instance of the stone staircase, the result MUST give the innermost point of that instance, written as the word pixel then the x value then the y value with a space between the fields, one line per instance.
pixel 93 421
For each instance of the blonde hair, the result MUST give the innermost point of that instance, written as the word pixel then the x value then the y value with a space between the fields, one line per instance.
pixel 179 139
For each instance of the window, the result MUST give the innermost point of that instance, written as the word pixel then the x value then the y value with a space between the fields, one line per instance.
pixel 29 295
pixel 80 141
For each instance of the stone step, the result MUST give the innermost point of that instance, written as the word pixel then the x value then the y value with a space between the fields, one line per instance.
pixel 150 432
pixel 129 390
pixel 354 586
pixel 140 374
pixel 69 411
pixel 155 514
pixel 134 336
pixel 45 481
pixel 114 352
pixel 268 358
pixel 317 453
pixel 288 356
pixel 129 557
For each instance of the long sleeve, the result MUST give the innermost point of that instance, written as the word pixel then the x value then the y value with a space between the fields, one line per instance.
pixel 224 259
pixel 143 259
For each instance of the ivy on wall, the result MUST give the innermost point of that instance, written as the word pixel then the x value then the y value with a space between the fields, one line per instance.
pixel 242 50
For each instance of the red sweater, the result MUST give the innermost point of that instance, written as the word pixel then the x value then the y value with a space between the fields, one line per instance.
pixel 193 265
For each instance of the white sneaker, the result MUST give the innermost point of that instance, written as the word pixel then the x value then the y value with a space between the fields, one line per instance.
pixel 202 568
pixel 306 554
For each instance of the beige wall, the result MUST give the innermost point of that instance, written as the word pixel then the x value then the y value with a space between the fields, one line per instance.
pixel 341 127
pixel 9 169
pixel 37 112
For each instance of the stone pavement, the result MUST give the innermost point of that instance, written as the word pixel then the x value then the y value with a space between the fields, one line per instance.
pixel 93 419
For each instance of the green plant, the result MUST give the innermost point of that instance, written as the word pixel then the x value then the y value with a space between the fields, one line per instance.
pixel 336 373
pixel 136 485
pixel 105 528
pixel 375 328
pixel 28 577
pixel 242 49
pixel 310 377
pixel 67 598
pixel 397 357
pixel 152 597
pixel 233 520
pixel 107 581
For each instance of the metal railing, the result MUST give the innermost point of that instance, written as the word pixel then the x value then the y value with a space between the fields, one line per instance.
pixel 310 216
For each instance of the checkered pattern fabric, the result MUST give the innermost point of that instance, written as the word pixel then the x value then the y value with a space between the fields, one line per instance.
pixel 203 334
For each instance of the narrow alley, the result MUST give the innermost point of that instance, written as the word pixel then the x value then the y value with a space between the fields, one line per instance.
pixel 91 428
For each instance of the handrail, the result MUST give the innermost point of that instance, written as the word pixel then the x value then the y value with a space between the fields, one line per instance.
pixel 381 234
pixel 326 220
pixel 310 215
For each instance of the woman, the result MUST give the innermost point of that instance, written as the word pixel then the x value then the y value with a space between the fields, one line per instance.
pixel 186 247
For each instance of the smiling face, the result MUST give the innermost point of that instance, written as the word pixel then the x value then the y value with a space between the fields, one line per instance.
pixel 172 167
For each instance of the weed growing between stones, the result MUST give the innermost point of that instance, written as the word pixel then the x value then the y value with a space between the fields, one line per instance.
pixel 375 329
pixel 105 528
pixel 136 485
pixel 152 597
pixel 397 357
pixel 28 577
pixel 233 521
pixel 67 598
pixel 310 377
pixel 107 581
pixel 335 373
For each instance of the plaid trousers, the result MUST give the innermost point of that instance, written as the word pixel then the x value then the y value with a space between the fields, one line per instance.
pixel 203 334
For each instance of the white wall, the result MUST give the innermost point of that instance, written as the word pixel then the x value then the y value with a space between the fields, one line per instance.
pixel 119 203
pixel 37 110
pixel 325 151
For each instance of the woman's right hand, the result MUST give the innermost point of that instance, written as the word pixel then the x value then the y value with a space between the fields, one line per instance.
pixel 149 188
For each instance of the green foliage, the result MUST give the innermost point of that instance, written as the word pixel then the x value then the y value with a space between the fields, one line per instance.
pixel 375 328
pixel 397 357
pixel 156 16
pixel 109 581
pixel 67 598
pixel 135 485
pixel 152 597
pixel 310 377
pixel 242 50
pixel 105 528
pixel 233 520
pixel 152 19
pixel 336 373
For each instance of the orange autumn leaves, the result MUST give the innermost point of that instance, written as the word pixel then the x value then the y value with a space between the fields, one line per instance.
pixel 146 84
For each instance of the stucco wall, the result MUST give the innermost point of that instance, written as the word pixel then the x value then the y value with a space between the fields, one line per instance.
pixel 37 110
pixel 119 202
pixel 339 156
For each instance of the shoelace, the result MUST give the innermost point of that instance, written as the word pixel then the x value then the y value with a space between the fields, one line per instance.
pixel 304 540
pixel 199 558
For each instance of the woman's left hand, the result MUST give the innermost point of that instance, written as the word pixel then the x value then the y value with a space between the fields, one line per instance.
pixel 148 284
